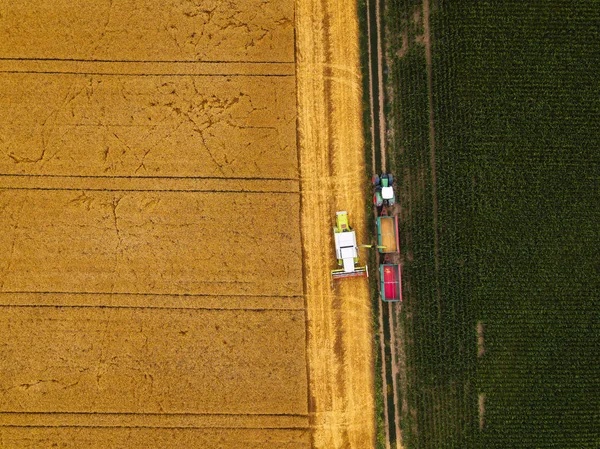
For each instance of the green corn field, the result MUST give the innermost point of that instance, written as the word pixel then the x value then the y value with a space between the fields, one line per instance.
pixel 501 226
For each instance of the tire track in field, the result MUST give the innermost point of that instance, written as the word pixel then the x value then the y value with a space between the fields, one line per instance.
pixel 379 134
pixel 339 317
pixel 427 42
pixel 375 138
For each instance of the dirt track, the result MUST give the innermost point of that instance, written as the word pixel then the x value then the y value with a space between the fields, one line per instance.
pixel 332 178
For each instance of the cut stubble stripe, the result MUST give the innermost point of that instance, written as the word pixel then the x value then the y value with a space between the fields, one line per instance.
pixel 175 295
pixel 146 68
pixel 149 184
pixel 306 427
pixel 224 308
pixel 217 178
pixel 153 420
pixel 154 61
pixel 275 192
pixel 32 72
pixel 148 301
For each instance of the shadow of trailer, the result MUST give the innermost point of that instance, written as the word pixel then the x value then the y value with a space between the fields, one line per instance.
pixel 390 276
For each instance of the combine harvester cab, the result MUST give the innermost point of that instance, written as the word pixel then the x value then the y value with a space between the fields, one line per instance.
pixel 346 249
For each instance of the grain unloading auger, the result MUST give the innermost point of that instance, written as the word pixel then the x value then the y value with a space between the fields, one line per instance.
pixel 346 249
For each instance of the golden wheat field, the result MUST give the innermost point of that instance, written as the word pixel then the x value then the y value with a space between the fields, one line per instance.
pixel 165 220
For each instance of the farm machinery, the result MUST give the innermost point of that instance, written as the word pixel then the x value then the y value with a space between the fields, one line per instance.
pixel 387 234
pixel 346 249
pixel 390 272
pixel 384 191
pixel 388 242
pixel 390 278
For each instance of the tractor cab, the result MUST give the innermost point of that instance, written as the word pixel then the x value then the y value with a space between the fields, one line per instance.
pixel 384 190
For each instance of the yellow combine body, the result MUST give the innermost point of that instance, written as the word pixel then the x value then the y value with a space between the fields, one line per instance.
pixel 346 249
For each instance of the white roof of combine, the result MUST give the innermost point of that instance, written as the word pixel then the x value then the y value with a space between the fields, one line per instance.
pixel 345 249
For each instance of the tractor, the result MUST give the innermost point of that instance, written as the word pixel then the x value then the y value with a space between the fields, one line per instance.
pixel 384 191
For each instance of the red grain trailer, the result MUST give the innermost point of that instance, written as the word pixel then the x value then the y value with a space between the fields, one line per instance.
pixel 390 276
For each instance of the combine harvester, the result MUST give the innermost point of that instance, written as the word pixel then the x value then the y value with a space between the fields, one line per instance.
pixel 346 249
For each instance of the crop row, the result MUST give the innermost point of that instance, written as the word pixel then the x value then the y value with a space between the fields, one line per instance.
pixel 514 125
pixel 439 332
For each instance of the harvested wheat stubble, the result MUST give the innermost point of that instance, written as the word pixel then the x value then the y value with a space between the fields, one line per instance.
pixel 96 125
pixel 339 321
pixel 125 438
pixel 150 242
pixel 149 172
pixel 152 361
pixel 235 30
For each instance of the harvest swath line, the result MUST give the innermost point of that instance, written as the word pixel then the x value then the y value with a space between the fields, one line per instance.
pixel 71 306
pixel 146 75
pixel 148 427
pixel 302 240
pixel 264 192
pixel 187 295
pixel 236 178
pixel 158 61
pixel 291 415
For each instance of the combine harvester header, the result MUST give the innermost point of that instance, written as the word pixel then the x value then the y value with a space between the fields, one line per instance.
pixel 346 249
